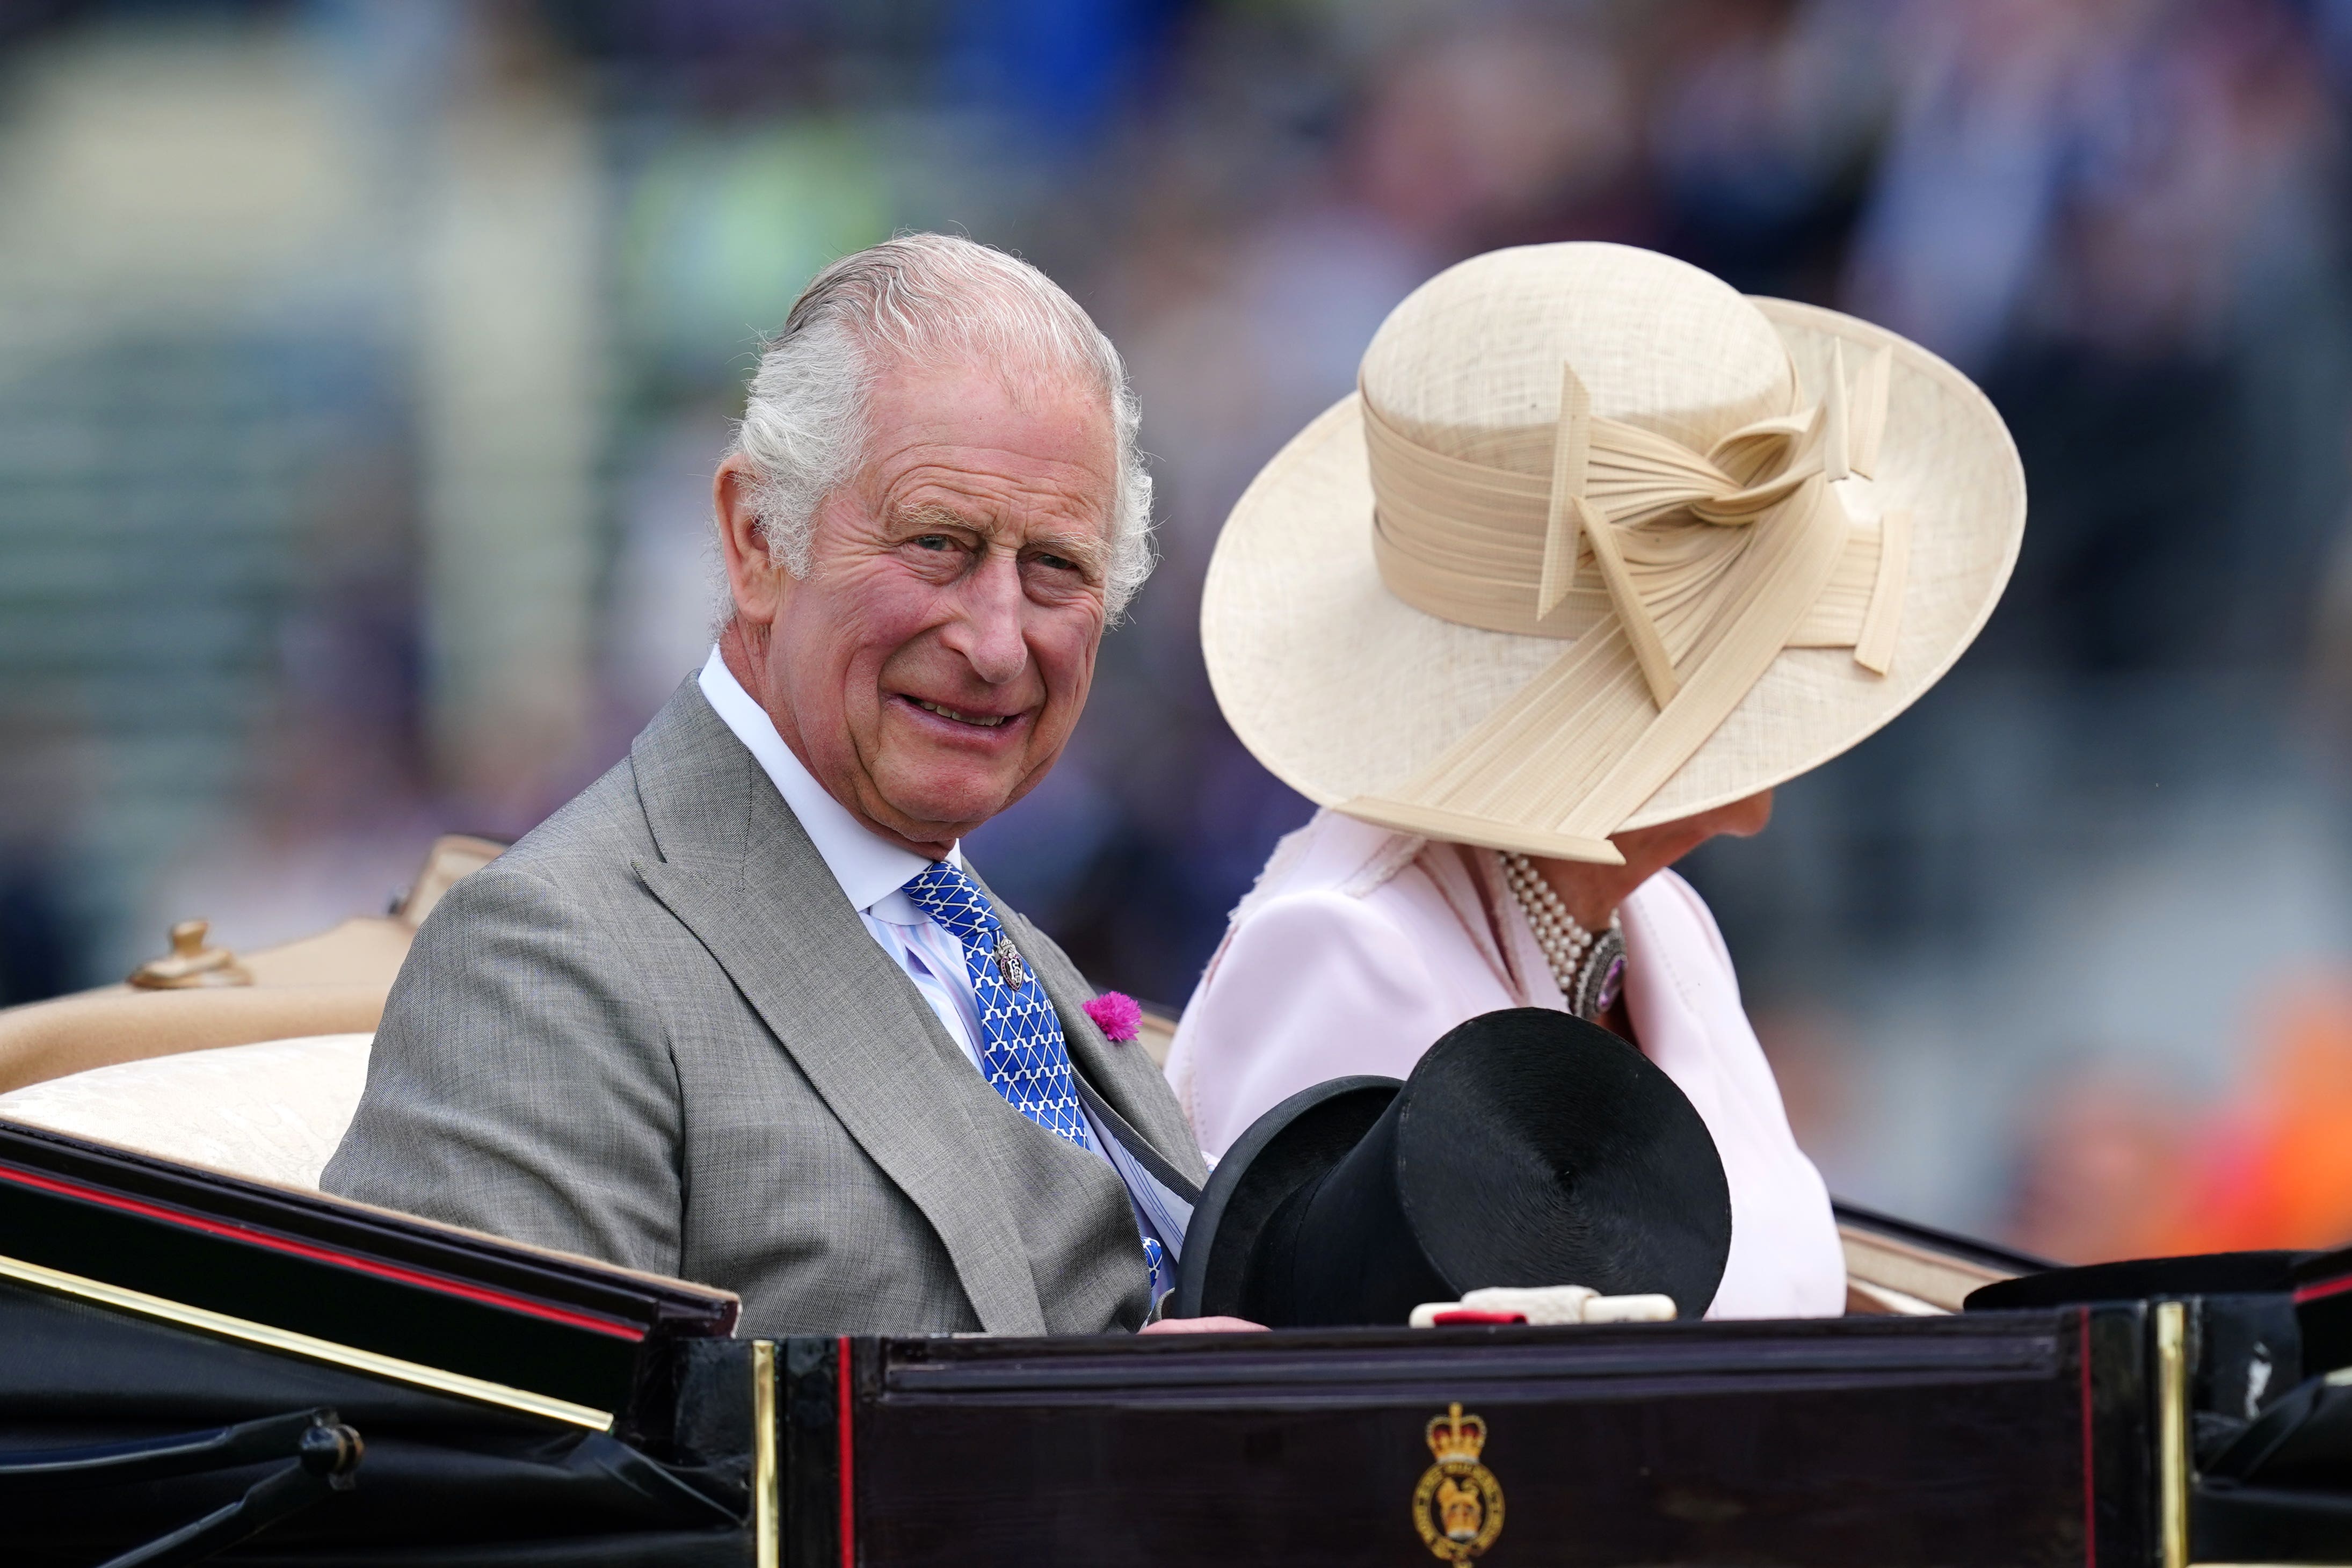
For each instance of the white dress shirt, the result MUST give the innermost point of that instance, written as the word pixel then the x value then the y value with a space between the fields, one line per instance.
pixel 872 871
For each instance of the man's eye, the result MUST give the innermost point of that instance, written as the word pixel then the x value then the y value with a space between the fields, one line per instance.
pixel 1057 563
pixel 935 542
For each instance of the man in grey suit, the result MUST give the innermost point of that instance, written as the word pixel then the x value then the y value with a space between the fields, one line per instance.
pixel 739 1012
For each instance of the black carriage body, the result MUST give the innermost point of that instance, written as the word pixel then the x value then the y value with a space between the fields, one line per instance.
pixel 2011 1439
pixel 2062 1435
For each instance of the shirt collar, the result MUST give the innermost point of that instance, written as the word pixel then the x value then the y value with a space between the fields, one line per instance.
pixel 870 869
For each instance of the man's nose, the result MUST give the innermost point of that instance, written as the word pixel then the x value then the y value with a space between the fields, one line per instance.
pixel 988 632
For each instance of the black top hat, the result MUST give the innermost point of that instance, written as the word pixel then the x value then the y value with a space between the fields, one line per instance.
pixel 1528 1147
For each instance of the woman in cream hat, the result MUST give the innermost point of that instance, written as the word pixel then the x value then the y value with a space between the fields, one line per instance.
pixel 1599 552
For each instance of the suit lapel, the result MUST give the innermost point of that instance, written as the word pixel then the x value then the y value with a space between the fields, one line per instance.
pixel 1145 1154
pixel 1123 1077
pixel 1104 1067
pixel 738 871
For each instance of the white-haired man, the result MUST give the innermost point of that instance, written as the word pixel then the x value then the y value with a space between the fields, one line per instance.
pixel 740 1012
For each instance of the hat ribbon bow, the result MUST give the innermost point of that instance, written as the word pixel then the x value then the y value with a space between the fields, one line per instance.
pixel 1702 566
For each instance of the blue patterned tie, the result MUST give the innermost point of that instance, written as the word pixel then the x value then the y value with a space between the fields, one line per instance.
pixel 1021 1052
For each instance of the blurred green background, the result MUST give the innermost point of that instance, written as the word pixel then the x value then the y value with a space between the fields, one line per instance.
pixel 362 363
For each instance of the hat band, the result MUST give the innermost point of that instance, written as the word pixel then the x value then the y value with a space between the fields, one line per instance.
pixel 1681 575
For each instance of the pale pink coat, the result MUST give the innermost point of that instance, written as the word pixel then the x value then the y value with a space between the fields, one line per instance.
pixel 1360 947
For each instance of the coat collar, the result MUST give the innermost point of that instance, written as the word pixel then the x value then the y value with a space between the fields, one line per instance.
pixel 1123 1078
pixel 738 871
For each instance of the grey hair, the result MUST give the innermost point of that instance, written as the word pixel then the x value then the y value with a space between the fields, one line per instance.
pixel 921 298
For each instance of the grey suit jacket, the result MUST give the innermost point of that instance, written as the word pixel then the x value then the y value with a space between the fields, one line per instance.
pixel 655 1032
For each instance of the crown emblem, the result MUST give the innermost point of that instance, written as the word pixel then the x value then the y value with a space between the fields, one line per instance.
pixel 1458 1506
pixel 1456 1438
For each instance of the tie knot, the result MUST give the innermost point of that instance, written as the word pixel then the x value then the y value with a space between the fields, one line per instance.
pixel 954 900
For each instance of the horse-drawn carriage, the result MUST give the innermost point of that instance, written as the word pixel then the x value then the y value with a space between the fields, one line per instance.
pixel 195 1362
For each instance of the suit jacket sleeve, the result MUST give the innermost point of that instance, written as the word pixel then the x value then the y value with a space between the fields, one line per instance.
pixel 520 1084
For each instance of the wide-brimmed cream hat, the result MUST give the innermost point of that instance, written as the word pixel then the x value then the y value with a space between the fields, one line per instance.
pixel 1600 543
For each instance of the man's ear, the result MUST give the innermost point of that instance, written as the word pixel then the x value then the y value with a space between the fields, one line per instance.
pixel 752 570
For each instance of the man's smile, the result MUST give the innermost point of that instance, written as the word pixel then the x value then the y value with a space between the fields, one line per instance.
pixel 965 718
pixel 986 720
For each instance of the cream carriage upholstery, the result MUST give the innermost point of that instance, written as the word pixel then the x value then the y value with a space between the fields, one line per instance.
pixel 247 1063
pixel 331 984
pixel 273 1110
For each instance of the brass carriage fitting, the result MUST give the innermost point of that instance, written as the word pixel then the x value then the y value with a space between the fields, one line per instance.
pixel 191 964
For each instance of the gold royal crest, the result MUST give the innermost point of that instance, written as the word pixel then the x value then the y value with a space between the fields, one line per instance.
pixel 1458 1506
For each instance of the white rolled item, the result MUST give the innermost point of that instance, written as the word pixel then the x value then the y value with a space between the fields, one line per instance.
pixel 1551 1304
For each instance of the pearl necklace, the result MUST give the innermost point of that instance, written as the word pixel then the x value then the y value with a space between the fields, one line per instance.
pixel 1568 949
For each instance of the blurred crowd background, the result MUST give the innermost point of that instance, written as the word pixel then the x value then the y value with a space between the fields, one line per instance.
pixel 362 363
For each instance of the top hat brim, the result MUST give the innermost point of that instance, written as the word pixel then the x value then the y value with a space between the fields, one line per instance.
pixel 1296 1144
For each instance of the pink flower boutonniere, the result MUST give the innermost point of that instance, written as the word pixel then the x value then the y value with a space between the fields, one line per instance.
pixel 1116 1015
